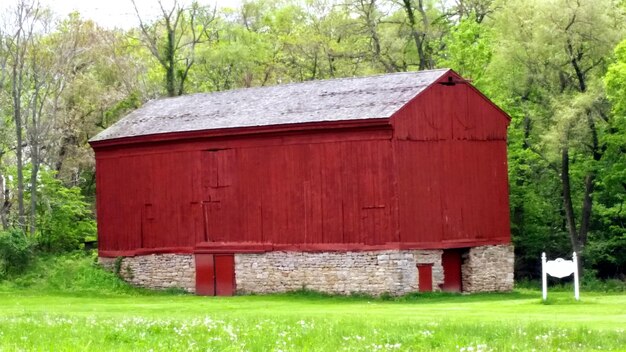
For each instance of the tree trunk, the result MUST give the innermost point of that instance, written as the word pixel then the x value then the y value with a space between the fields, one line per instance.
pixel 567 200
pixel 418 37
pixel 17 117
pixel 170 76
pixel 33 187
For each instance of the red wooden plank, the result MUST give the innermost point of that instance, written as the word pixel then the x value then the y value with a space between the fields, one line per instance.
pixel 331 193
pixel 224 274
pixel 205 275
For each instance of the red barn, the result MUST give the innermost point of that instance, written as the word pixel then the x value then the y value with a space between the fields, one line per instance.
pixel 391 183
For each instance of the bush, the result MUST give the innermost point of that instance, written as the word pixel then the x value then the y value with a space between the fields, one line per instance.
pixel 64 218
pixel 75 272
pixel 16 252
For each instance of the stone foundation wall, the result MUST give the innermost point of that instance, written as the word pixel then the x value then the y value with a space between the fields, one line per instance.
pixel 488 269
pixel 484 269
pixel 393 272
pixel 157 271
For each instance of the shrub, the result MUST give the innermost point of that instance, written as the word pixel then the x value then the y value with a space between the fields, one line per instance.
pixel 64 218
pixel 16 252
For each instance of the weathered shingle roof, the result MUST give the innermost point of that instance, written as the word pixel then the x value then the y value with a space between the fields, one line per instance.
pixel 315 101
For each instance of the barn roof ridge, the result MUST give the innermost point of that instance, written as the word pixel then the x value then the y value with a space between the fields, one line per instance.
pixel 338 99
pixel 314 81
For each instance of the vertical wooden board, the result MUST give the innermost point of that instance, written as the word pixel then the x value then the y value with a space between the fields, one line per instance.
pixel 267 194
pixel 169 180
pixel 299 195
pixel 314 207
pixel 387 183
pixel 224 274
pixel 99 204
pixel 188 204
pixel 275 196
pixel 128 201
pixel 425 277
pixel 222 221
pixel 332 193
pixel 444 107
pixel 419 185
pixel 463 124
pixel 159 182
pixel 451 262
pixel 205 274
pixel 107 204
pixel 225 164
pixel 195 197
pixel 282 185
pixel 366 190
pixel 477 189
pixel 453 192
pixel 253 176
pixel 350 195
pixel 209 169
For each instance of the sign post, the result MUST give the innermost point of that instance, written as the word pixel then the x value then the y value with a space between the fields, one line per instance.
pixel 559 268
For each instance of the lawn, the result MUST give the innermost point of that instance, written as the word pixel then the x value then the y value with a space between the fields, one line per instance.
pixel 31 320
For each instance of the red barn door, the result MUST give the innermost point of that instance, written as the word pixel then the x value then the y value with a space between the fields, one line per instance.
pixel 425 274
pixel 217 194
pixel 205 275
pixel 451 261
pixel 215 274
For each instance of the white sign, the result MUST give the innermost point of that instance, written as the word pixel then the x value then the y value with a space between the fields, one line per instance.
pixel 559 268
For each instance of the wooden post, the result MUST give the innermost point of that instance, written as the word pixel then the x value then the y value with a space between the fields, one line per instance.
pixel 544 278
pixel 576 287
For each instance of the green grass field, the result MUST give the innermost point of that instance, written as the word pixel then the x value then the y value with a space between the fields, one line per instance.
pixel 309 322
pixel 69 304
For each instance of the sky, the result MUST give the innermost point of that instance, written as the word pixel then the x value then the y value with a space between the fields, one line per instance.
pixel 120 13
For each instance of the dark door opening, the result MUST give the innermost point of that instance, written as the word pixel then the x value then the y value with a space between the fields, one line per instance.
pixel 451 260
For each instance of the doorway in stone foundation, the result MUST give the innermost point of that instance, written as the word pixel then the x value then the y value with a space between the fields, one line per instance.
pixel 215 274
pixel 452 261
pixel 425 277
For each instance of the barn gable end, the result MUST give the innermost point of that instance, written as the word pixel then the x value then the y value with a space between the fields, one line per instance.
pixel 450 148
pixel 340 186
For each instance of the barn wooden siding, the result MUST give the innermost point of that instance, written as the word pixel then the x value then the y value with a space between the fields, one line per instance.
pixel 294 192
pixel 452 172
pixel 434 176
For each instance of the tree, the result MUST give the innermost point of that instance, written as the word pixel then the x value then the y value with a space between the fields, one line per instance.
pixel 21 34
pixel 428 26
pixel 172 40
pixel 468 49
pixel 551 56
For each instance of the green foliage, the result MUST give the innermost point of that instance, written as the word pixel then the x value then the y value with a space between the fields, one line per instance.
pixel 75 273
pixel 546 70
pixel 16 253
pixel 64 219
pixel 468 49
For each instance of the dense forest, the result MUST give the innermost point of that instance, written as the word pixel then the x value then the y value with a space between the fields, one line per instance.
pixel 558 67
